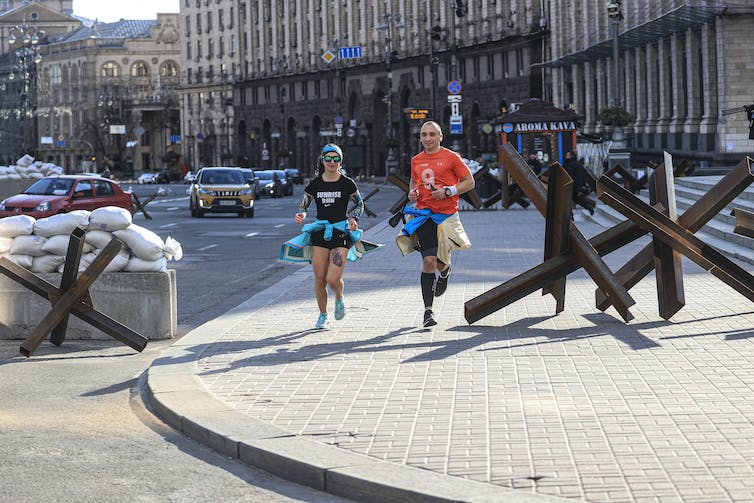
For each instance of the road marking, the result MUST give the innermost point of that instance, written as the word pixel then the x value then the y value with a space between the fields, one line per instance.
pixel 173 208
pixel 208 247
pixel 167 225
pixel 251 234
pixel 279 226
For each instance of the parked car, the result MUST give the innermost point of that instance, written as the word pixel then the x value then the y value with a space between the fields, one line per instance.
pixel 147 177
pixel 162 177
pixel 190 177
pixel 221 190
pixel 267 183
pixel 295 176
pixel 61 194
pixel 252 179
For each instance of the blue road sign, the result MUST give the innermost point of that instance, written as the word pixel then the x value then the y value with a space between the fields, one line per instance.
pixel 353 52
pixel 60 143
pixel 454 87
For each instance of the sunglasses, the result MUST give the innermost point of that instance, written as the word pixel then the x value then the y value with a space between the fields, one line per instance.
pixel 331 158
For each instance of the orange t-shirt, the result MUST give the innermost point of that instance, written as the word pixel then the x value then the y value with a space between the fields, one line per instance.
pixel 442 169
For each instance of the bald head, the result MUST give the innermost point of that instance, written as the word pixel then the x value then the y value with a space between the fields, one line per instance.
pixel 431 136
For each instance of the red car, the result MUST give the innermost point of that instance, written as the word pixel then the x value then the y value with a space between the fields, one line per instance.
pixel 60 194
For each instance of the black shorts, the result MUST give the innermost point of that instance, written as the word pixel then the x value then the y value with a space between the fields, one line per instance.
pixel 427 235
pixel 339 239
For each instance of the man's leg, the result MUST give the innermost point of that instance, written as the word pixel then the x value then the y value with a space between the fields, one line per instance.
pixel 427 235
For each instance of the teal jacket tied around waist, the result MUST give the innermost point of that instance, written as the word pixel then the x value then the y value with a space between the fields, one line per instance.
pixel 298 249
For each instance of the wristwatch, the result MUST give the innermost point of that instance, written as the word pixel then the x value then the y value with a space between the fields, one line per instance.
pixel 448 192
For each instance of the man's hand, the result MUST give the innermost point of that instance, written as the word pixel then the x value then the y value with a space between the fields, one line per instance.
pixel 413 195
pixel 438 193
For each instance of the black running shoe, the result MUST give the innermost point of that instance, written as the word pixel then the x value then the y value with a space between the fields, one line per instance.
pixel 442 282
pixel 429 318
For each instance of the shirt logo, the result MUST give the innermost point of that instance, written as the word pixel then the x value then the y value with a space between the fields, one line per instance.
pixel 328 198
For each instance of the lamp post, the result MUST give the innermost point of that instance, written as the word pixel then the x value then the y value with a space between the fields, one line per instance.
pixel 391 20
pixel 24 41
pixel 615 15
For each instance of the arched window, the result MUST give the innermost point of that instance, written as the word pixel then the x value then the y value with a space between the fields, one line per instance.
pixel 139 69
pixel 110 69
pixel 169 69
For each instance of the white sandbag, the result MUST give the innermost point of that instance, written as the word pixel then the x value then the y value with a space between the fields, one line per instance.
pixel 28 245
pixel 144 243
pixel 98 239
pixel 173 249
pixel 135 264
pixel 64 223
pixel 25 161
pixel 5 245
pixel 46 263
pixel 118 263
pixel 58 245
pixel 110 218
pixel 14 177
pixel 17 225
pixel 20 260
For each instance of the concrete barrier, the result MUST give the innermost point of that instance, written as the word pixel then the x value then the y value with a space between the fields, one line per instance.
pixel 144 302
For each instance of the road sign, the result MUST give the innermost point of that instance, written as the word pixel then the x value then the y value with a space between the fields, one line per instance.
pixel 265 155
pixel 328 56
pixel 351 132
pixel 338 119
pixel 456 124
pixel 454 87
pixel 60 143
pixel 418 113
pixel 454 98
pixel 353 52
pixel 455 109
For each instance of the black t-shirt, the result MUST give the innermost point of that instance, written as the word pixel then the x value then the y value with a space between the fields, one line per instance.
pixel 332 197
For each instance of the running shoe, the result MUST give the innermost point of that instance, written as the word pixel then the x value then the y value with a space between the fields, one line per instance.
pixel 429 318
pixel 323 322
pixel 340 309
pixel 442 282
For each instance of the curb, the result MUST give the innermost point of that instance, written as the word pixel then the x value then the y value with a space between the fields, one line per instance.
pixel 178 397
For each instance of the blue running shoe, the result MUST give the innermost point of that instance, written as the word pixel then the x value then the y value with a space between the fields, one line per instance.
pixel 323 322
pixel 340 309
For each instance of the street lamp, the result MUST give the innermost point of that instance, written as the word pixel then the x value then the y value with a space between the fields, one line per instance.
pixel 26 57
pixel 615 15
pixel 391 21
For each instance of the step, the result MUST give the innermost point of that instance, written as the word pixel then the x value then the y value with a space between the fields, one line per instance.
pixel 705 183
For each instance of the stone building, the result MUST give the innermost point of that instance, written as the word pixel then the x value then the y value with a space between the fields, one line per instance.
pixel 108 92
pixel 681 65
pixel 88 95
pixel 293 89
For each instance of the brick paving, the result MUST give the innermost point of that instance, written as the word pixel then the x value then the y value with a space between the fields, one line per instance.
pixel 579 405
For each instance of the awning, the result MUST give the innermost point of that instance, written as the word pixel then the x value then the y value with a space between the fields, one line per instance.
pixel 677 20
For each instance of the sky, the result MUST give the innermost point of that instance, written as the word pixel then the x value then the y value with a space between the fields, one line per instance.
pixel 110 10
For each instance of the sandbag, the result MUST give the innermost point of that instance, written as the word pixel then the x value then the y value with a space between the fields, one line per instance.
pixel 47 263
pixel 110 218
pixel 5 245
pixel 58 245
pixel 20 260
pixel 17 225
pixel 144 243
pixel 64 223
pixel 28 245
pixel 135 264
pixel 173 249
pixel 98 239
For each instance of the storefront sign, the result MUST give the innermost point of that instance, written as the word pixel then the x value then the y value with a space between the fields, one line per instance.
pixel 526 127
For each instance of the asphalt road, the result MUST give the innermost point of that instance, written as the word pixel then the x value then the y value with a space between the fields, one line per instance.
pixel 73 426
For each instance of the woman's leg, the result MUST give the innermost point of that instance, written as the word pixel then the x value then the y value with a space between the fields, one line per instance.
pixel 335 271
pixel 320 265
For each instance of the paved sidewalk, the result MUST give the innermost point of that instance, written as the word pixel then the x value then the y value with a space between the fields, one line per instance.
pixel 521 406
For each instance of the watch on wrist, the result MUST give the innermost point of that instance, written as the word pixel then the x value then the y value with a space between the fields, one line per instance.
pixel 448 192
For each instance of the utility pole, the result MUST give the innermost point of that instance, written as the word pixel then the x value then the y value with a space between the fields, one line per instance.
pixel 615 15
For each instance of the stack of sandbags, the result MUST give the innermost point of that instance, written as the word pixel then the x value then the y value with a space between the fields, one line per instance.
pixel 41 245
pixel 26 168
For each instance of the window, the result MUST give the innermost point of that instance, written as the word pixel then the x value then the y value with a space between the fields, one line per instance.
pixel 85 187
pixel 110 69
pixel 519 62
pixel 169 69
pixel 188 25
pixel 198 23
pixel 491 67
pixel 103 188
pixel 209 21
pixel 139 69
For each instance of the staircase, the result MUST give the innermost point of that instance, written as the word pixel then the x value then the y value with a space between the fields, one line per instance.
pixel 718 232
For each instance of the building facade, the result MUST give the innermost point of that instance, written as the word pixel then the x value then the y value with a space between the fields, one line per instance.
pixel 293 89
pixel 108 96
pixel 681 66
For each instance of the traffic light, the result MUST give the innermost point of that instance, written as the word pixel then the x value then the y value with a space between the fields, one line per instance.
pixel 460 8
pixel 613 10
pixel 437 33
